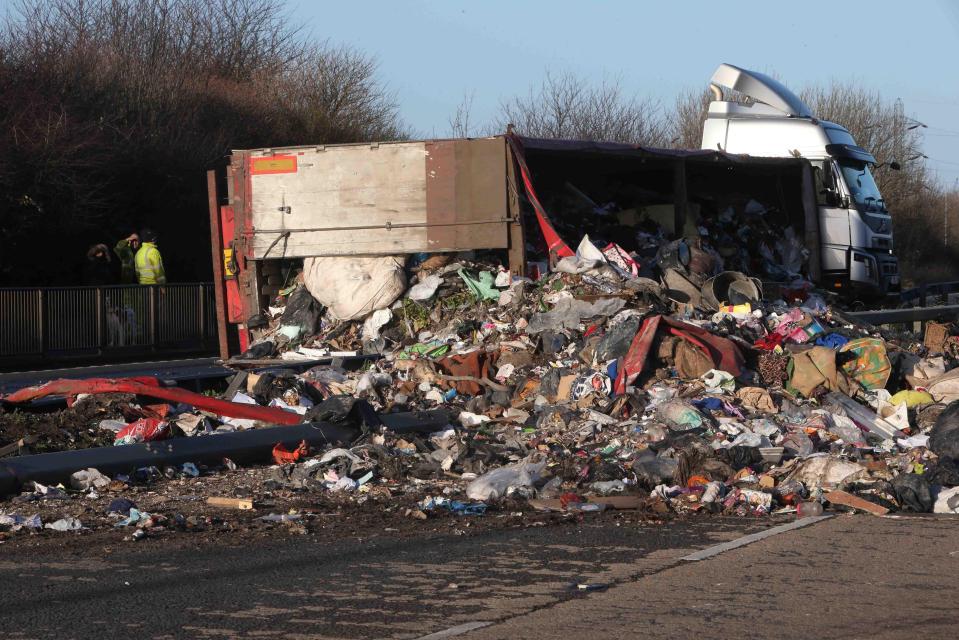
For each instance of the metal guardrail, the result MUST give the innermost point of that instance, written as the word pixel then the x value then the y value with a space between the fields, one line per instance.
pixel 64 322
pixel 919 296
pixel 915 316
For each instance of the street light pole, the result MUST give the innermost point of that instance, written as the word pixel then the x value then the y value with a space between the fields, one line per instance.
pixel 945 211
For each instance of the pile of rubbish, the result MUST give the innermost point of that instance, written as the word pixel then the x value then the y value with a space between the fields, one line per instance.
pixel 591 387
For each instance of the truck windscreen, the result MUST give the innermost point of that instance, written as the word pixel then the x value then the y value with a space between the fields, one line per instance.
pixel 861 185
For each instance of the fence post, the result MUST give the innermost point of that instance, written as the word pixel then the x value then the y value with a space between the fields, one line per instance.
pixel 153 317
pixel 201 316
pixel 42 322
pixel 100 317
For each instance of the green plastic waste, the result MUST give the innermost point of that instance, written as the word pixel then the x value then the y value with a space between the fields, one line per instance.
pixel 482 288
pixel 431 349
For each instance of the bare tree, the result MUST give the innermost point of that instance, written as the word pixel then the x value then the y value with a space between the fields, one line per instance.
pixel 569 106
pixel 461 122
pixel 333 95
pixel 112 110
pixel 878 125
pixel 686 123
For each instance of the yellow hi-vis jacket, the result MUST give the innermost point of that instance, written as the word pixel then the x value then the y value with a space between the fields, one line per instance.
pixel 149 265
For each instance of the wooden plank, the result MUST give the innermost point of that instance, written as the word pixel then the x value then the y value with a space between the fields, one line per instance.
pixel 238 381
pixel 244 504
pixel 849 500
pixel 15 447
pixel 517 239
pixel 216 242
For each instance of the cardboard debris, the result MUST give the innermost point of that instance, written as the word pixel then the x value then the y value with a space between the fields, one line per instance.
pixel 936 336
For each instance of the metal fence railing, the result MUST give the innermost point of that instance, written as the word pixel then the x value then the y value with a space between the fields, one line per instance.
pixel 55 322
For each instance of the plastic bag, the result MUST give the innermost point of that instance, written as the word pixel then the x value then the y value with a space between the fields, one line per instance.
pixel 680 415
pixel 88 479
pixel 498 482
pixel 826 471
pixel 588 257
pixel 653 470
pixel 947 501
pixel 64 524
pixel 351 287
pixel 871 368
pixel 425 288
pixel 483 288
pixel 143 430
pixel 846 429
pixel 944 437
pixel 798 444
pixel 913 493
pixel 619 336
pixel 911 398
pixel 569 312
pixel 302 311
pixel 377 320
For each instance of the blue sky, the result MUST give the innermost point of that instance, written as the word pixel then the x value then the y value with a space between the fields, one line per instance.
pixel 433 53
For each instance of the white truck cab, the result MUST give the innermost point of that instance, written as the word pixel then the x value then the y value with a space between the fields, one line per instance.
pixel 855 226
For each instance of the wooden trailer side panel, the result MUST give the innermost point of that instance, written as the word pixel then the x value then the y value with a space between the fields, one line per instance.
pixel 378 199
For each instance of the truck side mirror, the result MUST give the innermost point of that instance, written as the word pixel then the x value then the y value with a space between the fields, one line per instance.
pixel 831 198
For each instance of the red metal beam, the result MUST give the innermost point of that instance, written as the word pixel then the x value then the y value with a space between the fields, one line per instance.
pixel 150 387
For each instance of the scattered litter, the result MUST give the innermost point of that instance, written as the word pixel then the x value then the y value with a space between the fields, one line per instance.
pixel 640 373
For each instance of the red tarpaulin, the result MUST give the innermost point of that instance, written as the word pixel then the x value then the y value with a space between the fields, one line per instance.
pixel 553 241
pixel 723 352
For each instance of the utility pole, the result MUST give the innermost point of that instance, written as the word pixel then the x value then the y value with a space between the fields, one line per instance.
pixel 945 211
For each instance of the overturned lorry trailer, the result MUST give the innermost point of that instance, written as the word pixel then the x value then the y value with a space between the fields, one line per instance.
pixel 432 196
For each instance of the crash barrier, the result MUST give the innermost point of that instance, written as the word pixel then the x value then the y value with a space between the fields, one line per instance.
pixel 929 294
pixel 916 316
pixel 50 323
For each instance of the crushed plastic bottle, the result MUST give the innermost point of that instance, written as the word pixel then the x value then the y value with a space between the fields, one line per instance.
pixel 808 509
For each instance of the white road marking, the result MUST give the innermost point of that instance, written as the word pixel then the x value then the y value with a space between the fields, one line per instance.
pixel 753 537
pixel 458 630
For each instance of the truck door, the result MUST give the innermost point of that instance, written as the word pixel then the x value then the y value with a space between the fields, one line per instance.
pixel 833 220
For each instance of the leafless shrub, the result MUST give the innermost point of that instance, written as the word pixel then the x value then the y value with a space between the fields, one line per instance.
pixel 689 113
pixel 332 95
pixel 112 110
pixel 461 122
pixel 567 106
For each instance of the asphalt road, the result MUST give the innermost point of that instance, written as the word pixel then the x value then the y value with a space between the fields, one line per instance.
pixel 850 576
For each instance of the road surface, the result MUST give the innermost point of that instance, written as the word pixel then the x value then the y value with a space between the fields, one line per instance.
pixel 844 577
